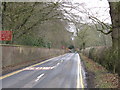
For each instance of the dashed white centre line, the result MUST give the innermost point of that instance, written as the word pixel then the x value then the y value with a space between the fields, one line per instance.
pixel 57 64
pixel 38 78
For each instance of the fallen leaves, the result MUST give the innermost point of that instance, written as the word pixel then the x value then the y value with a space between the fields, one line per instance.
pixel 103 78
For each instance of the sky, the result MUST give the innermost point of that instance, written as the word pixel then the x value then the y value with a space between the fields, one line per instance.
pixel 98 8
pixel 101 7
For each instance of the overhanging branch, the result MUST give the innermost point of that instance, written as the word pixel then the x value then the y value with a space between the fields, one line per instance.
pixel 106 33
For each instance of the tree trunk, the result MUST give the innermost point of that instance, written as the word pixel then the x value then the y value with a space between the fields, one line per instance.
pixel 115 18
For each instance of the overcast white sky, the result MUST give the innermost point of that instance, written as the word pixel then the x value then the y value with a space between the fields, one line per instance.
pixel 99 8
pixel 96 8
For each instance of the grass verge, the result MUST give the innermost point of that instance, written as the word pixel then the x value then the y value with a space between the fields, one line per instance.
pixel 102 78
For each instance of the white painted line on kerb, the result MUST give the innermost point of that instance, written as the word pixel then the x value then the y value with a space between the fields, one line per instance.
pixel 79 75
pixel 38 78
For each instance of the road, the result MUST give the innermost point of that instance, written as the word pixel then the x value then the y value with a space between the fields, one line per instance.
pixel 64 71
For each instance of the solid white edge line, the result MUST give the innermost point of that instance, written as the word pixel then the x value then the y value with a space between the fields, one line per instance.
pixel 80 79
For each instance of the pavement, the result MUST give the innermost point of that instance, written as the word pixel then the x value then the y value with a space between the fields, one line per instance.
pixel 64 71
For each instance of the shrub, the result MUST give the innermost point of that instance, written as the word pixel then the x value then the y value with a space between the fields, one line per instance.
pixel 106 56
pixel 111 59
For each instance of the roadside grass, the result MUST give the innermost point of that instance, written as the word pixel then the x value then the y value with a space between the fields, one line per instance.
pixel 102 77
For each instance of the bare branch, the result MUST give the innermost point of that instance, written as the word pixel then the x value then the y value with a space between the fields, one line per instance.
pixel 105 32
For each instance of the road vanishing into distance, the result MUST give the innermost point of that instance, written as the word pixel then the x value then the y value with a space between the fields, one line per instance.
pixel 64 71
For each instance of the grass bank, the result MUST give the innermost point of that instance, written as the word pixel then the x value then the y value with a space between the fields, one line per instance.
pixel 100 77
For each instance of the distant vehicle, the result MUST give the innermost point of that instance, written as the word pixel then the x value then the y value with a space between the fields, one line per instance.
pixel 71 50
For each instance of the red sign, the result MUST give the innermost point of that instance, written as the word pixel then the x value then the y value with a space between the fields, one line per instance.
pixel 63 47
pixel 5 35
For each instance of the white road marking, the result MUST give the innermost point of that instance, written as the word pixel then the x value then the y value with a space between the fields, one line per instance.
pixel 41 68
pixel 61 61
pixel 38 78
pixel 57 64
pixel 38 68
pixel 79 75
pixel 13 73
pixel 32 83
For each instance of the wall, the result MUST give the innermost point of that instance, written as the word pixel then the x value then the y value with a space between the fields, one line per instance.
pixel 16 55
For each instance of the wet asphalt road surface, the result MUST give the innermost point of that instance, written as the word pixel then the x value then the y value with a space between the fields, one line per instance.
pixel 60 72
